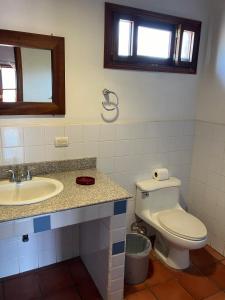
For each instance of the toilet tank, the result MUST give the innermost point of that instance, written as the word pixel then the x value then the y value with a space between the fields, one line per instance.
pixel 156 195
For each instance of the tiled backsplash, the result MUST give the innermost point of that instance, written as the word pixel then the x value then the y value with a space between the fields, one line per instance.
pixel 207 188
pixel 127 152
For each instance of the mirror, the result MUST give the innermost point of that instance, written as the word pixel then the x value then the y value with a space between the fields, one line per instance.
pixel 32 74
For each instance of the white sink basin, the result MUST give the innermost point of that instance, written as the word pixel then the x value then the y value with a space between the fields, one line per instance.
pixel 27 192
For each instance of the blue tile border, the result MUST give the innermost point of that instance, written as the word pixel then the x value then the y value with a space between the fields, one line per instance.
pixel 118 248
pixel 42 224
pixel 120 207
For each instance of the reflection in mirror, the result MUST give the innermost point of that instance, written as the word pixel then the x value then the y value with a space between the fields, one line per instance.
pixel 25 75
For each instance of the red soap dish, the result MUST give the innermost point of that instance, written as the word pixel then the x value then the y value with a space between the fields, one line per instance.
pixel 85 180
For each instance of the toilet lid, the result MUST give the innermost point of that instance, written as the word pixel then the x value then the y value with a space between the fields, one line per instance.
pixel 182 224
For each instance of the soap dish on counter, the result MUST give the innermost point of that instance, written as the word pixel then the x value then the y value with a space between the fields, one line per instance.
pixel 85 180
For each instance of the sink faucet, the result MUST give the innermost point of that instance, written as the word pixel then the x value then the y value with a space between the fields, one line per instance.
pixel 20 174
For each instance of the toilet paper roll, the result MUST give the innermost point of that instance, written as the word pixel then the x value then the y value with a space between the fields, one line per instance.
pixel 161 174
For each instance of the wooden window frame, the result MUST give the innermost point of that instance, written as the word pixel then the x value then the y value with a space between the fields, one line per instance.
pixel 176 25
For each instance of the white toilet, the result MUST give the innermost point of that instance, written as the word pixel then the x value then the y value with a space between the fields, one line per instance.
pixel 157 203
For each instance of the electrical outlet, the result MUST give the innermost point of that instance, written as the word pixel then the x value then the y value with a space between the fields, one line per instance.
pixel 62 141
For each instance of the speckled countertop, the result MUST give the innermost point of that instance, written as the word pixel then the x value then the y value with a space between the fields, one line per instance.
pixel 72 196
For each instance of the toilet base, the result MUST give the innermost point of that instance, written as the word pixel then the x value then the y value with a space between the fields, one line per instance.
pixel 175 257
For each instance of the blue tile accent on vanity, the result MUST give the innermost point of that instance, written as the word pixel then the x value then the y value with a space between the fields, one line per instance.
pixel 42 224
pixel 118 248
pixel 120 207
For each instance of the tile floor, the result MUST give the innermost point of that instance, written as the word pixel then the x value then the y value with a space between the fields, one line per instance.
pixel 64 281
pixel 205 279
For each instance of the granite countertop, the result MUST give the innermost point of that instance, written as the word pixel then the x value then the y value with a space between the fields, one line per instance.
pixel 72 196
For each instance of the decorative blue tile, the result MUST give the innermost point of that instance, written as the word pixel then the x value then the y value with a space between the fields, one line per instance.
pixel 42 224
pixel 120 207
pixel 118 248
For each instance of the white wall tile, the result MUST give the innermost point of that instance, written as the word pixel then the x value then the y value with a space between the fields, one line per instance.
pixel 117 260
pixel 106 165
pixel 74 151
pixel 107 132
pixel 50 132
pixel 8 248
pixel 34 154
pixel 118 295
pixel 53 153
pixel 12 136
pixel 33 136
pixel 9 267
pixel 46 257
pixel 6 229
pixel 117 273
pixel 117 284
pixel 91 132
pixel 123 148
pixel 106 149
pixel 91 149
pixel 23 226
pixel 28 262
pixel 12 155
pixel 75 133
pixel 118 235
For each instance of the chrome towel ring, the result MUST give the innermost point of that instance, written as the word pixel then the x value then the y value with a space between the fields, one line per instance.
pixel 110 105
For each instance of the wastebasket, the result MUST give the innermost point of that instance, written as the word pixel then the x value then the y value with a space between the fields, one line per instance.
pixel 138 247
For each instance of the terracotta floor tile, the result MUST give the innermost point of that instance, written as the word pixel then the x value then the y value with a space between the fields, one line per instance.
pixel 67 294
pixel 130 289
pixel 202 258
pixel 170 290
pixel 1 291
pixel 216 273
pixel 79 273
pixel 88 291
pixel 223 262
pixel 141 295
pixel 158 273
pixel 198 285
pixel 24 287
pixel 219 296
pixel 214 253
pixel 53 279
pixel 153 256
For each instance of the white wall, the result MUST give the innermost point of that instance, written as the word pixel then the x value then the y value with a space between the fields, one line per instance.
pixel 143 95
pixel 211 102
pixel 207 189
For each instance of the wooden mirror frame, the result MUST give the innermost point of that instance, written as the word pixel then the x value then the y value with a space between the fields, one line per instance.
pixel 57 47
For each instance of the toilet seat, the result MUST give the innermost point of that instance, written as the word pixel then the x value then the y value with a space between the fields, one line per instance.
pixel 182 224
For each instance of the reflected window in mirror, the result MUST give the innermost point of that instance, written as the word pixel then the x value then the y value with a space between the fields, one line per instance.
pixel 26 74
pixel 8 81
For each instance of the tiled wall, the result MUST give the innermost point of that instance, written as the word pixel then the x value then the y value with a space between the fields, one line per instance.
pixel 207 188
pixel 127 152
pixel 42 249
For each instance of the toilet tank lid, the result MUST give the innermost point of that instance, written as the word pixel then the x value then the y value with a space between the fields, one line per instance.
pixel 153 184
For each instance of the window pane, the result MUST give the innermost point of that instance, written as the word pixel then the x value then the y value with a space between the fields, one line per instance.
pixel 187 46
pixel 8 78
pixel 9 95
pixel 125 37
pixel 153 42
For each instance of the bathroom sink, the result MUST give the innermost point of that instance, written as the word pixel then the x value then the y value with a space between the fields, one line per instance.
pixel 27 192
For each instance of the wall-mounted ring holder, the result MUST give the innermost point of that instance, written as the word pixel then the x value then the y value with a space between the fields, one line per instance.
pixel 110 105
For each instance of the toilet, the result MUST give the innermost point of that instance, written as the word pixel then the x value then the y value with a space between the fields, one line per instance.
pixel 177 232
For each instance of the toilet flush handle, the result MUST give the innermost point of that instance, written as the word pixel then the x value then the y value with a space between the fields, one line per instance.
pixel 145 194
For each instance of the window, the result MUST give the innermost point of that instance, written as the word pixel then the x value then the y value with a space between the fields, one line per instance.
pixel 136 39
pixel 8 84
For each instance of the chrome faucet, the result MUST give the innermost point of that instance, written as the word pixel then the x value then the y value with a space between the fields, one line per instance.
pixel 20 174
